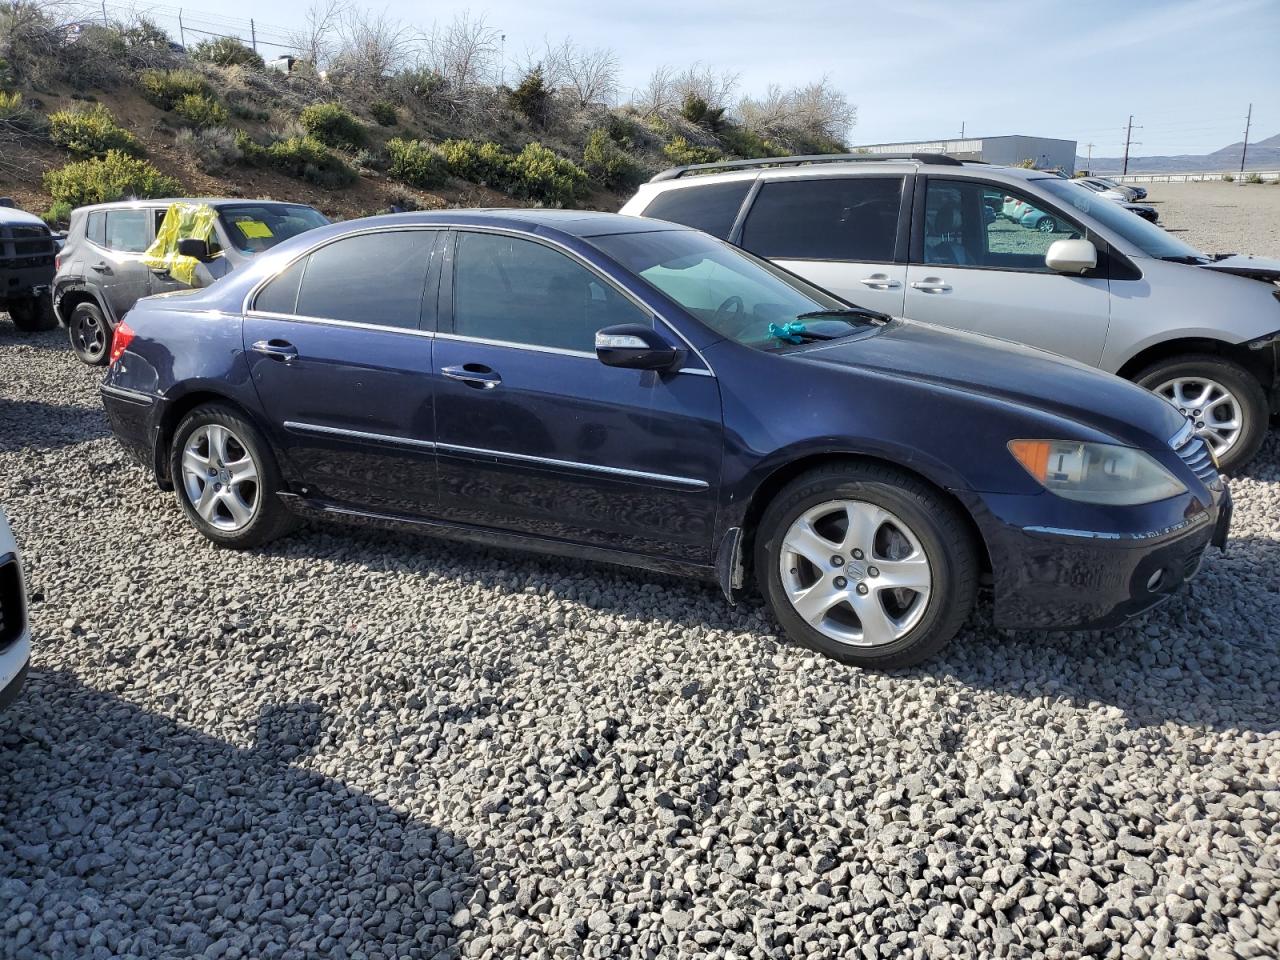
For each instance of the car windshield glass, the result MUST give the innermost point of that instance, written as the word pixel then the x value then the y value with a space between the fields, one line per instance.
pixel 1147 237
pixel 254 227
pixel 739 296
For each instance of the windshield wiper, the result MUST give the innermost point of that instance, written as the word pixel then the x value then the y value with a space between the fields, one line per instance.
pixel 796 332
pixel 846 313
pixel 1186 258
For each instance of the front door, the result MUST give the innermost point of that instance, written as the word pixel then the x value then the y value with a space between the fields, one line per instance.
pixel 536 436
pixel 339 349
pixel 841 233
pixel 977 263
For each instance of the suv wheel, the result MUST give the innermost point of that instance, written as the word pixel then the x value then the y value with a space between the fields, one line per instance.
pixel 90 334
pixel 32 314
pixel 1047 225
pixel 1224 400
pixel 226 479
pixel 866 564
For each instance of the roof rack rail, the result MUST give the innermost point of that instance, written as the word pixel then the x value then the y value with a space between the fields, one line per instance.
pixel 675 173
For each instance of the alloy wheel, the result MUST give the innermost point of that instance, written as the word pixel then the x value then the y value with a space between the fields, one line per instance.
pixel 855 572
pixel 1046 225
pixel 1212 408
pixel 220 478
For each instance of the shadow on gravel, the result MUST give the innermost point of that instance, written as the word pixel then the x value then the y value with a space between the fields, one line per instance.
pixel 53 340
pixel 126 833
pixel 30 424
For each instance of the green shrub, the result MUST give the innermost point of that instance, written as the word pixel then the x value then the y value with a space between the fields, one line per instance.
pixel 102 180
pixel 484 163
pixel 309 159
pixel 1229 178
pixel 200 111
pixel 165 88
pixel 252 153
pixel 213 149
pixel 537 173
pixel 17 116
pixel 58 214
pixel 252 114
pixel 416 163
pixel 226 52
pixel 681 152
pixel 90 132
pixel 10 103
pixel 746 143
pixel 1253 178
pixel 333 124
pixel 608 164
pixel 696 110
pixel 531 97
pixel 384 112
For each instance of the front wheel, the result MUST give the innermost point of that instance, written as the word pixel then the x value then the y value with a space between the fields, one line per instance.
pixel 1224 401
pixel 1047 225
pixel 226 478
pixel 866 564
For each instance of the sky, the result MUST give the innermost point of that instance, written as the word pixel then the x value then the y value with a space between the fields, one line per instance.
pixel 920 69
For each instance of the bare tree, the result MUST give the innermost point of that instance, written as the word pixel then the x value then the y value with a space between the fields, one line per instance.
pixel 658 94
pixel 705 83
pixel 816 111
pixel 465 53
pixel 371 45
pixel 316 39
pixel 587 75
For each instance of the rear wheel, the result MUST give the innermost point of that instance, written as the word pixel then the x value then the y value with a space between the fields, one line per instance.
pixel 1224 401
pixel 226 479
pixel 32 314
pixel 1046 225
pixel 89 333
pixel 866 564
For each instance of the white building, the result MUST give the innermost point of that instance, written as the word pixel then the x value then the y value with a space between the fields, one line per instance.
pixel 1046 153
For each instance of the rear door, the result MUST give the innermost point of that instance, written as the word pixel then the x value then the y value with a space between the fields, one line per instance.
pixel 846 234
pixel 339 348
pixel 113 263
pixel 977 269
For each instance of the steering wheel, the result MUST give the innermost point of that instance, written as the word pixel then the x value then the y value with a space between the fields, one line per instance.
pixel 723 315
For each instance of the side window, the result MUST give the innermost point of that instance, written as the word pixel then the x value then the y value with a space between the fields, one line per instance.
pixel 519 291
pixel 711 208
pixel 376 278
pixel 96 228
pixel 972 224
pixel 127 230
pixel 834 218
pixel 281 294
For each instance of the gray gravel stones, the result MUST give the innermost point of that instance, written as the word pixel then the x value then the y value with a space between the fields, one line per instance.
pixel 348 745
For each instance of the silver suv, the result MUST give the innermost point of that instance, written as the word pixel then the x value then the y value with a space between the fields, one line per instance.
pixel 927 237
pixel 102 274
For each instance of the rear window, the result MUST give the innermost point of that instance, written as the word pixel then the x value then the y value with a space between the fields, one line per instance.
pixel 834 218
pixel 712 208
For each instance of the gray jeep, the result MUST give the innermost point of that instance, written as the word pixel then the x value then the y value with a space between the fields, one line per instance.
pixel 102 272
pixel 27 252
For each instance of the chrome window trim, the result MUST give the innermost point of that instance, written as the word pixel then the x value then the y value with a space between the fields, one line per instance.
pixel 537 348
pixel 329 322
pixel 298 426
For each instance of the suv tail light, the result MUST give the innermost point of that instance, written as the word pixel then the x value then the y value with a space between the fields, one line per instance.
pixel 120 340
pixel 57 261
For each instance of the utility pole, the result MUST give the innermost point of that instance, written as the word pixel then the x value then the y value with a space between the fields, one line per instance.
pixel 961 129
pixel 1088 164
pixel 253 34
pixel 1128 141
pixel 104 14
pixel 1245 147
pixel 182 33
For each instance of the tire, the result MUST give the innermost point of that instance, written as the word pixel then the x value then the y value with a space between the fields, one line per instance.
pixel 1253 410
pixel 32 314
pixel 1047 225
pixel 90 334
pixel 919 622
pixel 240 511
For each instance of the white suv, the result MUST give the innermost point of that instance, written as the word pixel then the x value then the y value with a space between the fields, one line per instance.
pixel 15 634
pixel 928 237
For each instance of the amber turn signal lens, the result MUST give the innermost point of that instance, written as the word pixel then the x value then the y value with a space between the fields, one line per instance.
pixel 1033 455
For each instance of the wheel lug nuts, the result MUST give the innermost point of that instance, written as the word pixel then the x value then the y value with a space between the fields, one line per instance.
pixel 837 561
pixel 862 589
pixel 857 554
pixel 841 583
pixel 873 571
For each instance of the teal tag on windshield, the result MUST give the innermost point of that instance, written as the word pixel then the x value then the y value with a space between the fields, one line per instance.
pixel 787 331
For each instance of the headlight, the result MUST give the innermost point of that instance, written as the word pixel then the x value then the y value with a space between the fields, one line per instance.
pixel 1095 472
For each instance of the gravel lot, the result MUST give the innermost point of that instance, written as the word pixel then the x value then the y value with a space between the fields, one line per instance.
pixel 1221 217
pixel 354 745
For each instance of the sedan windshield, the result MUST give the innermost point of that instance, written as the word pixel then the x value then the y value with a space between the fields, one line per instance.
pixel 254 227
pixel 1146 236
pixel 737 295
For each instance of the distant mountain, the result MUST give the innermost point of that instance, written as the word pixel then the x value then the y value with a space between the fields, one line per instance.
pixel 1263 155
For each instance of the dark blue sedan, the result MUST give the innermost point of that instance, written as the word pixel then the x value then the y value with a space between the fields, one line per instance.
pixel 630 391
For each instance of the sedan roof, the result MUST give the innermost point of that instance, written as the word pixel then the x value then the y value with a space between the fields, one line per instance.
pixel 577 223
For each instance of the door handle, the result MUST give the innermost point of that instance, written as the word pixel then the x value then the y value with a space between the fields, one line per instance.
pixel 474 375
pixel 880 281
pixel 281 350
pixel 931 285
pixel 100 267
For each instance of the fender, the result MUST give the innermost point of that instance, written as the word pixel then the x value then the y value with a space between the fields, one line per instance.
pixel 60 293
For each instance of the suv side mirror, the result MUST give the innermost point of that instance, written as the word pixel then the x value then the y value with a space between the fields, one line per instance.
pixel 1071 256
pixel 635 346
pixel 191 247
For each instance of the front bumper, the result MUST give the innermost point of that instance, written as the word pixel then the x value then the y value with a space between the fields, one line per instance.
pixel 1060 579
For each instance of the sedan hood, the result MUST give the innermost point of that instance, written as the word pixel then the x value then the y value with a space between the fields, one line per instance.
pixel 1259 268
pixel 1007 371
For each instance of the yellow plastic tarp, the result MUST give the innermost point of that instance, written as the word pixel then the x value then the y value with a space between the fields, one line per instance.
pixel 182 221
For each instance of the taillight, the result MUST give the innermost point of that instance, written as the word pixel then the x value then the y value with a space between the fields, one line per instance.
pixel 120 340
pixel 57 261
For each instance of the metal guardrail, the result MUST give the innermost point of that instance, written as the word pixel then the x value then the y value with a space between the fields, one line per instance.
pixel 1267 175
